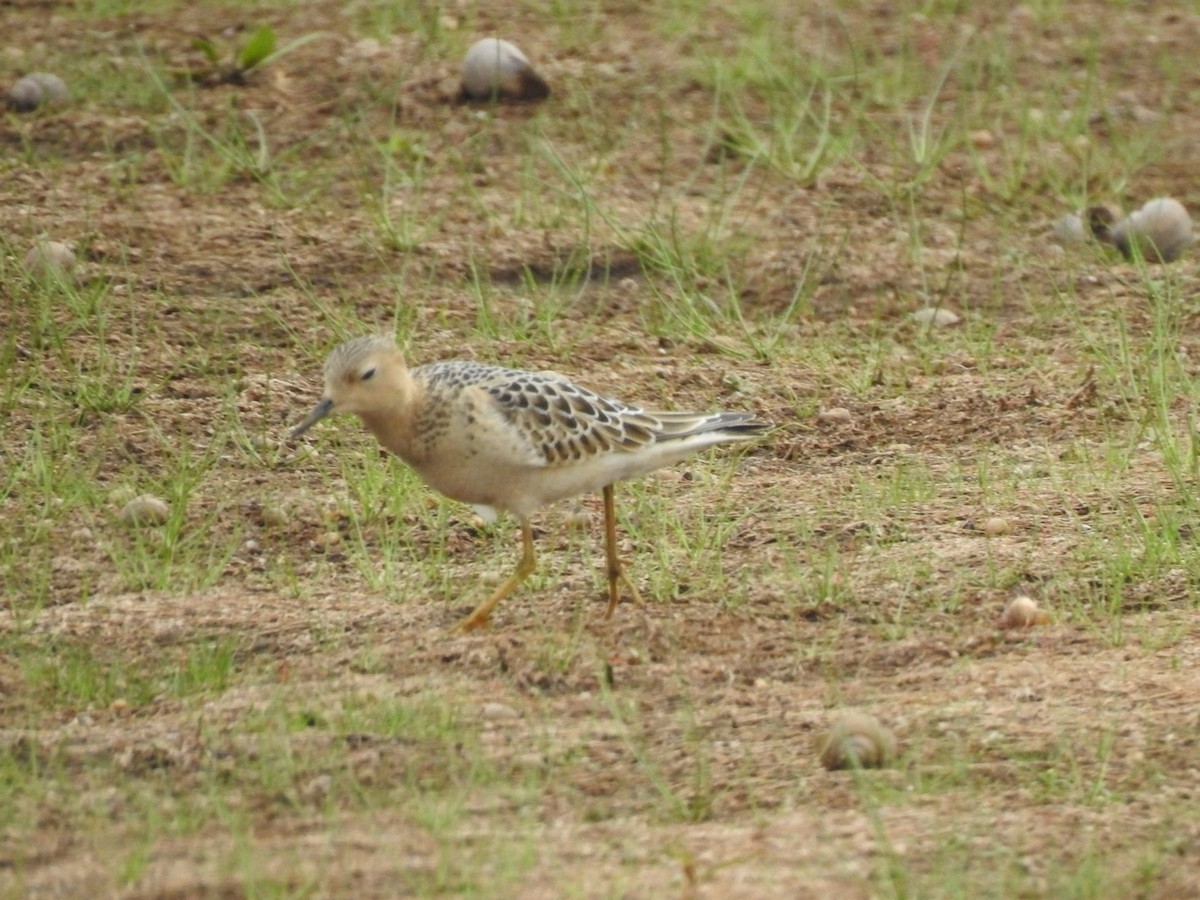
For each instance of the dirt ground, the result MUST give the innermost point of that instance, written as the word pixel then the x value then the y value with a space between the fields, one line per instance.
pixel 671 750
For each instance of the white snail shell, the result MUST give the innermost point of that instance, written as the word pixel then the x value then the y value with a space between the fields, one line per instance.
pixel 857 740
pixel 497 69
pixel 145 509
pixel 1069 229
pixel 1161 230
pixel 47 259
pixel 935 316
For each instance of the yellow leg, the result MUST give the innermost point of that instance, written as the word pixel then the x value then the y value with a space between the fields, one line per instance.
pixel 483 612
pixel 616 572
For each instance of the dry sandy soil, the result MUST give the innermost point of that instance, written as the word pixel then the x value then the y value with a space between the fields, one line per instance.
pixel 833 565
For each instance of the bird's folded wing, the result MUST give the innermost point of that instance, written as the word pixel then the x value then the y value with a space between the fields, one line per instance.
pixel 564 424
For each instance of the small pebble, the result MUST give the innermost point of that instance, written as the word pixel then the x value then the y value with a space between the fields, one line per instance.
pixel 329 539
pixel 493 710
pixel 578 519
pixel 145 509
pixel 982 139
pixel 1023 612
pixel 119 496
pixel 497 69
pixel 316 789
pixel 274 516
pixel 83 535
pixel 36 89
pixel 936 316
pixel 835 415
pixel 1070 230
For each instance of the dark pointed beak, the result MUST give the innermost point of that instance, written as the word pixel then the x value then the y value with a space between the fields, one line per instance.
pixel 320 411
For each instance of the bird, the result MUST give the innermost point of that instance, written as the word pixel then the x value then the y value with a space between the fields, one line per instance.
pixel 512 440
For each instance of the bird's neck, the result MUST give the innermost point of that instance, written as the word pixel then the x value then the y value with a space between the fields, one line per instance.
pixel 393 425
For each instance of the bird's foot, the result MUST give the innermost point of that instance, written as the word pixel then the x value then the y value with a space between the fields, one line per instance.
pixel 615 579
pixel 473 622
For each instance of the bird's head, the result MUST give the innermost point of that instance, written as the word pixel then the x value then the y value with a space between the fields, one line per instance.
pixel 364 375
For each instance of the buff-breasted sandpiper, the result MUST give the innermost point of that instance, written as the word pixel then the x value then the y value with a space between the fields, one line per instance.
pixel 511 440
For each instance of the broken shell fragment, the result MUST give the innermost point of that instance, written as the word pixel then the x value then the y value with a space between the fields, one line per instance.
pixel 494 69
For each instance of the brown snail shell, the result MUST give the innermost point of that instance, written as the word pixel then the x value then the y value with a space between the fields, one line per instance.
pixel 1101 219
pixel 857 740
pixel 1023 612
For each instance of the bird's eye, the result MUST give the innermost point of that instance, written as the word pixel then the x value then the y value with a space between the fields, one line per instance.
pixel 369 374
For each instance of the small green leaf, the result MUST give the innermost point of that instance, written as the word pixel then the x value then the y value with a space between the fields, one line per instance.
pixel 259 47
pixel 207 47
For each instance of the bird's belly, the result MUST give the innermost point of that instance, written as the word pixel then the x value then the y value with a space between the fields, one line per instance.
pixel 516 489
pixel 479 485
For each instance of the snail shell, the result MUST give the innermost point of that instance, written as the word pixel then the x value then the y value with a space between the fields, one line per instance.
pixel 935 317
pixel 36 89
pixel 145 509
pixel 497 69
pixel 1094 222
pixel 1023 612
pixel 857 741
pixel 1101 219
pixel 1160 231
pixel 1069 229
pixel 48 259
